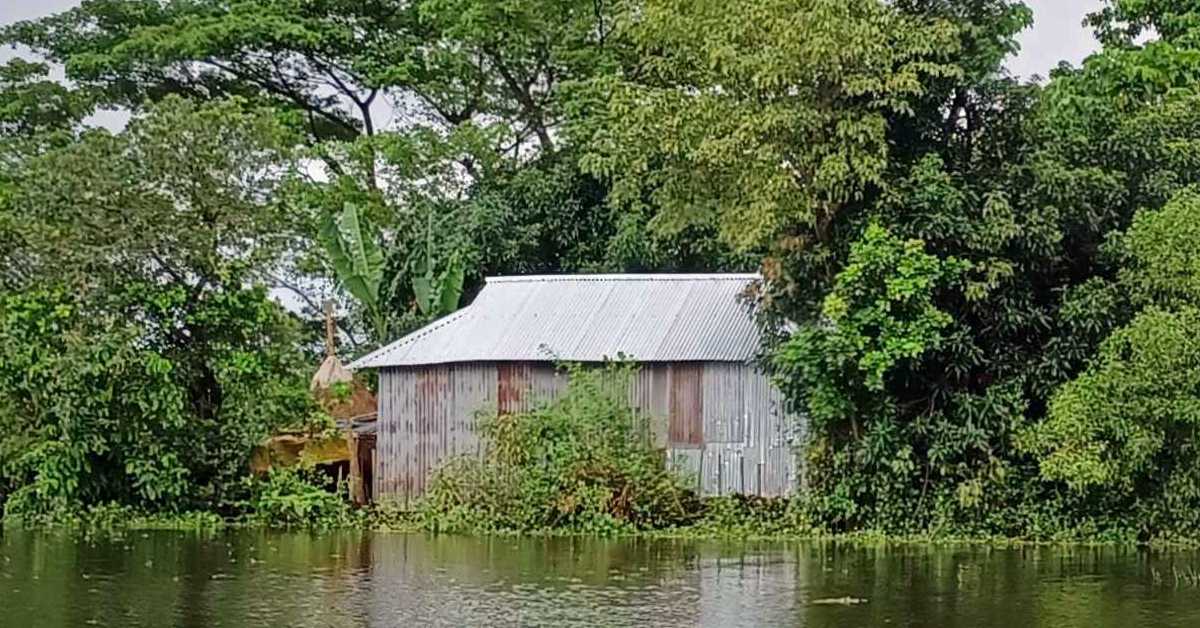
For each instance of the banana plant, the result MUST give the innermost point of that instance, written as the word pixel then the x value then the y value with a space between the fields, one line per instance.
pixel 437 294
pixel 350 241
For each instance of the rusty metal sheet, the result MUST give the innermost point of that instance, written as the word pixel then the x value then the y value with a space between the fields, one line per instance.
pixel 512 386
pixel 724 424
pixel 687 405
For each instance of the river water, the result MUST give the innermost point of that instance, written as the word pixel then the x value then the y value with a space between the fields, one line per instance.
pixel 256 578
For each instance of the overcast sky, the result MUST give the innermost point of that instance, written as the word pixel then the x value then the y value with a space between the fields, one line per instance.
pixel 1057 33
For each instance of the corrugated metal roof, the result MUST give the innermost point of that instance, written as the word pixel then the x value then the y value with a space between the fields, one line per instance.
pixel 588 318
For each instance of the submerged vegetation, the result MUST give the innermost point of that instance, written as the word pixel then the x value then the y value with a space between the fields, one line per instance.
pixel 981 291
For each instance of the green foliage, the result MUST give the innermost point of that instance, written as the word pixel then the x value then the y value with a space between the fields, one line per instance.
pixel 31 103
pixel 141 357
pixel 584 462
pixel 437 294
pixel 323 64
pixel 94 412
pixel 132 51
pixel 355 256
pixel 114 521
pixel 1123 21
pixel 747 517
pixel 294 497
pixel 1130 421
pixel 1164 247
pixel 969 282
pixel 481 85
pixel 758 117
pixel 183 197
pixel 1034 197
pixel 350 243
pixel 1028 189
pixel 880 314
pixel 1127 427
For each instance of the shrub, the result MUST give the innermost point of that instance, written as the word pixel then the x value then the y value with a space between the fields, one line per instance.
pixel 294 497
pixel 95 408
pixel 749 516
pixel 584 462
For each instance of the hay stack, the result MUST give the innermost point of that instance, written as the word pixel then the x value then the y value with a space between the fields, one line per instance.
pixel 335 387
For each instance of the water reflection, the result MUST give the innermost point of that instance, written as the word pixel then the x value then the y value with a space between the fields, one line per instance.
pixel 246 578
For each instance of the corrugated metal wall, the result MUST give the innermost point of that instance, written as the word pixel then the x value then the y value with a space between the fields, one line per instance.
pixel 720 422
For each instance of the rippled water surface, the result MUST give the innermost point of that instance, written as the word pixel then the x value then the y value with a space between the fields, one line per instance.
pixel 242 578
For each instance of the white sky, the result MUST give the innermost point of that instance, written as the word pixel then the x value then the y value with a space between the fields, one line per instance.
pixel 1057 33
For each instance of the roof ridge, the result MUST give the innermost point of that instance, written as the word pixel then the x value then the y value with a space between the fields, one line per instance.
pixel 585 277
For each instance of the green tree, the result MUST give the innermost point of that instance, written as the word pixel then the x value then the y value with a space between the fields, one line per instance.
pixel 142 358
pixel 764 118
pixel 1126 428
pixel 36 114
pixel 329 62
pixel 408 106
pixel 881 313
pixel 31 104
pixel 881 316
pixel 795 142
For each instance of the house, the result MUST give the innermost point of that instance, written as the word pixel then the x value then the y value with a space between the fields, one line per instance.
pixel 693 338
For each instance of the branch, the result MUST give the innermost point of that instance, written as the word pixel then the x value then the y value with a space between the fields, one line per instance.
pixel 451 118
pixel 532 111
pixel 296 290
pixel 283 89
pixel 363 104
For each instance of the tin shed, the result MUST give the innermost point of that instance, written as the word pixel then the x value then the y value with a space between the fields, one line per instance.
pixel 693 338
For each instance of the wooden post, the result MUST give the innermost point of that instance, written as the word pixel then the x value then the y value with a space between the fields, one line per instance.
pixel 330 336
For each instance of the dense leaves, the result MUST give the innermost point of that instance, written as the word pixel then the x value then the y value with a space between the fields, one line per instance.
pixel 880 314
pixel 1013 196
pixel 979 291
pixel 142 358
pixel 583 462
pixel 93 412
pixel 758 116
pixel 1127 426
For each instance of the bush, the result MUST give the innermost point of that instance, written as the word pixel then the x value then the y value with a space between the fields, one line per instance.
pixel 96 409
pixel 749 516
pixel 583 463
pixel 114 520
pixel 295 497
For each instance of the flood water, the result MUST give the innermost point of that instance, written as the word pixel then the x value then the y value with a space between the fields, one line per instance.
pixel 245 578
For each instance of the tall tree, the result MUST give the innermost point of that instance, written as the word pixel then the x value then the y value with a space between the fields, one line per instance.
pixel 141 357
pixel 808 130
pixel 765 118
pixel 408 106
pixel 440 62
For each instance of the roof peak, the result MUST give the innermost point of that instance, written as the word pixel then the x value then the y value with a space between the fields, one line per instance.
pixel 627 277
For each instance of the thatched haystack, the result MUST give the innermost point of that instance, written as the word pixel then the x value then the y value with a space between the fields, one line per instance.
pixel 352 404
pixel 339 393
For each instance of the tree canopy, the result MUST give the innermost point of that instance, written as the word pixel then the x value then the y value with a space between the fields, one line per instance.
pixel 979 290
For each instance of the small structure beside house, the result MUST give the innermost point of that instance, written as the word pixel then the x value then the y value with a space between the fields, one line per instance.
pixel 347 457
pixel 693 338
pixel 353 408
